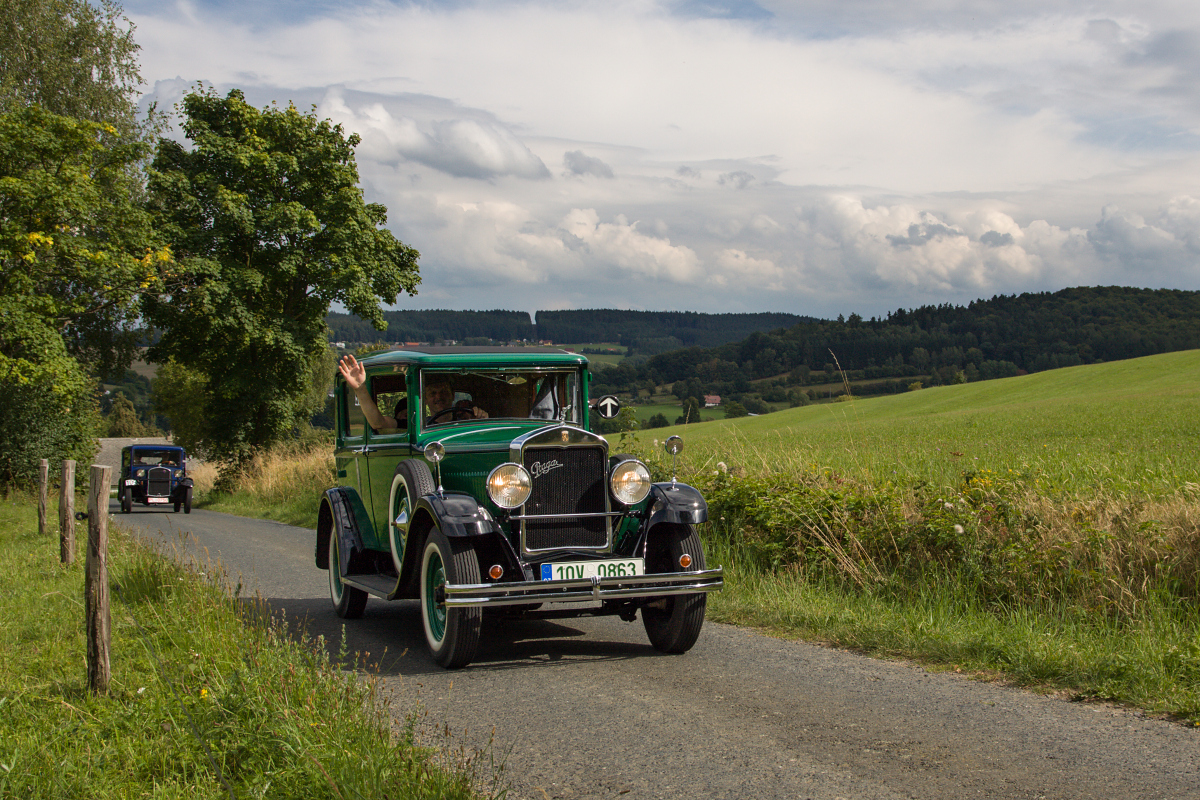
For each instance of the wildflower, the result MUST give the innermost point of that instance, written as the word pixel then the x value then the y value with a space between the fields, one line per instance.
pixel 203 693
pixel 949 505
pixel 958 528
pixel 722 467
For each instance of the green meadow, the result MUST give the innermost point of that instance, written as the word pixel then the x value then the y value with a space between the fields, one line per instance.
pixel 1127 426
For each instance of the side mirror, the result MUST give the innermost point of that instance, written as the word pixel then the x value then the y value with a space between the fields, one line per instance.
pixel 435 452
pixel 674 446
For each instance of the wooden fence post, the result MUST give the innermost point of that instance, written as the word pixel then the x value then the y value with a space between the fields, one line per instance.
pixel 96 581
pixel 66 513
pixel 43 494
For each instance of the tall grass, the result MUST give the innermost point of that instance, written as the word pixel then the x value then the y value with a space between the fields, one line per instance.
pixel 284 485
pixel 210 697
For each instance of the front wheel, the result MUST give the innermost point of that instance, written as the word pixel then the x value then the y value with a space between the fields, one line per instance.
pixel 673 623
pixel 187 501
pixel 348 601
pixel 126 500
pixel 451 633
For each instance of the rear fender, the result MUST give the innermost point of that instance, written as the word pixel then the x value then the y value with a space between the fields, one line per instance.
pixel 343 515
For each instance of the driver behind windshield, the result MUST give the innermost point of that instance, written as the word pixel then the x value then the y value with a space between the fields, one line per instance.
pixel 440 406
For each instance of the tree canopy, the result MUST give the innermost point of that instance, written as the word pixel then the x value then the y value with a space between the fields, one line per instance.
pixel 267 222
pixel 71 58
pixel 75 253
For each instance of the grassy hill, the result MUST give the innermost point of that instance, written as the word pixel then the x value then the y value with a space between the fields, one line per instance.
pixel 1129 426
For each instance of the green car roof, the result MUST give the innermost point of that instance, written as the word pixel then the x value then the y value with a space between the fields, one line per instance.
pixel 445 356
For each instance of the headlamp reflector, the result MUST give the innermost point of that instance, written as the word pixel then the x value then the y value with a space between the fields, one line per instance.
pixel 509 485
pixel 630 482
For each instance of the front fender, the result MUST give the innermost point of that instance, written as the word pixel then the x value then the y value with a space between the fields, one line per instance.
pixel 677 503
pixel 457 514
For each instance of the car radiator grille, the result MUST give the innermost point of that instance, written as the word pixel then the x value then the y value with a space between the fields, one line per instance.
pixel 158 482
pixel 566 480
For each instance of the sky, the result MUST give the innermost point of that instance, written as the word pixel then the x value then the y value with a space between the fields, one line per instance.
pixel 823 157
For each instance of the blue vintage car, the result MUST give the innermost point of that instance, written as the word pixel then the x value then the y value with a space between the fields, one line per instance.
pixel 154 474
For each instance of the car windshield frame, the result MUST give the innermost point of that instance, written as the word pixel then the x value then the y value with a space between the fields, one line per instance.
pixel 550 394
pixel 163 454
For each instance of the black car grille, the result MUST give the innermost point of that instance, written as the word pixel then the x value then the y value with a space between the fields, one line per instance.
pixel 158 482
pixel 566 480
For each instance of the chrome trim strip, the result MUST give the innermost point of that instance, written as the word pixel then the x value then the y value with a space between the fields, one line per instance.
pixel 568 516
pixel 580 590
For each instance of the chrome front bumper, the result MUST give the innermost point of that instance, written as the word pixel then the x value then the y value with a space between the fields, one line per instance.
pixel 582 590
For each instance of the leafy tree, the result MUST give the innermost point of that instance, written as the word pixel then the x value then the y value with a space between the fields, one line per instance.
pixel 657 421
pixel 47 408
pixel 734 409
pixel 71 58
pixel 179 395
pixel 123 420
pixel 75 247
pixel 75 252
pixel 626 420
pixel 268 223
pixel 691 412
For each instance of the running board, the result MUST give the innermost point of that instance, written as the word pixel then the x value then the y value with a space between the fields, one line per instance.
pixel 383 586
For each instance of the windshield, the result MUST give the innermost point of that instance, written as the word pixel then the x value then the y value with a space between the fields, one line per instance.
pixel 457 395
pixel 168 458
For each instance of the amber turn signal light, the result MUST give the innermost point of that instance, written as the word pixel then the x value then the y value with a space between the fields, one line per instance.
pixel 495 572
pixel 685 561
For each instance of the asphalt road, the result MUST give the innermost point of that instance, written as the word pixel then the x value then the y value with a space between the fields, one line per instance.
pixel 585 708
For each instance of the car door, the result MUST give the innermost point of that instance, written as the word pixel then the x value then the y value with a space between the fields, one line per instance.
pixel 387 447
pixel 350 454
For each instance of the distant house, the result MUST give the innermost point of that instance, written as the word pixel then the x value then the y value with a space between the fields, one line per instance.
pixel 712 400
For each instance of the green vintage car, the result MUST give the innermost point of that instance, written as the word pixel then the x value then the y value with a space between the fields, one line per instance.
pixel 503 502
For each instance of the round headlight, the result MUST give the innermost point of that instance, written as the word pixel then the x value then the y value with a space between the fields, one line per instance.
pixel 630 482
pixel 509 485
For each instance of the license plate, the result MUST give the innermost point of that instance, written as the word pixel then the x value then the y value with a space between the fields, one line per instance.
pixel 584 570
pixel 158 499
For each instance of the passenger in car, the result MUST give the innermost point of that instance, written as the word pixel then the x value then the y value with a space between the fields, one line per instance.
pixel 355 375
pixel 438 396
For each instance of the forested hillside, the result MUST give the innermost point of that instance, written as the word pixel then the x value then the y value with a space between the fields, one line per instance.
pixel 646 332
pixel 756 359
pixel 658 330
pixel 992 338
pixel 433 326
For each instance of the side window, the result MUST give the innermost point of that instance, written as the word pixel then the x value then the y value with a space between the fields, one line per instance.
pixel 353 421
pixel 391 397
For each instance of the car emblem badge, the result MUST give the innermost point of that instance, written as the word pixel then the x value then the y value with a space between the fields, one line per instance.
pixel 565 435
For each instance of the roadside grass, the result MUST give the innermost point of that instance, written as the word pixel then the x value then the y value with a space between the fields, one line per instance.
pixel 210 696
pixel 1151 662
